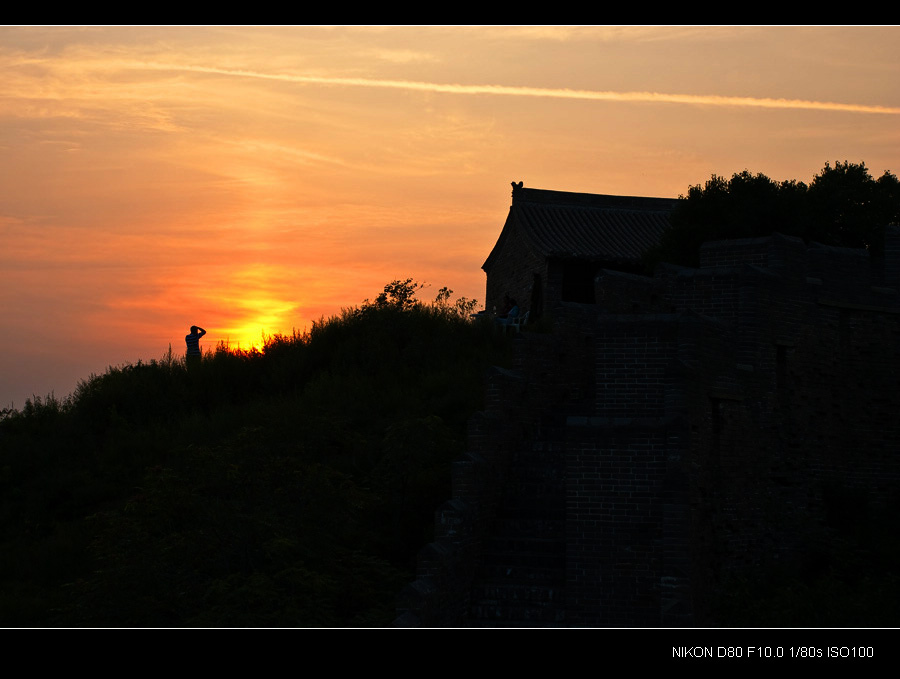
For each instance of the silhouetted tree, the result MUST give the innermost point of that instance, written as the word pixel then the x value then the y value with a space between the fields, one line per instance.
pixel 848 208
pixel 400 294
pixel 842 206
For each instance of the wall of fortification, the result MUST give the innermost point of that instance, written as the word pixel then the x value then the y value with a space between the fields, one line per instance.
pixel 615 521
pixel 717 421
pixel 777 387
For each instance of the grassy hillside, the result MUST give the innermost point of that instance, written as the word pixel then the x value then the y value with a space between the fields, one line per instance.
pixel 289 486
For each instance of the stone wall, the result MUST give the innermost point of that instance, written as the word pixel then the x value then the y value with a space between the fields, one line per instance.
pixel 713 421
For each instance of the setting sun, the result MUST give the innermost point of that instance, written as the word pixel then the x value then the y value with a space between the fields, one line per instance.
pixel 252 180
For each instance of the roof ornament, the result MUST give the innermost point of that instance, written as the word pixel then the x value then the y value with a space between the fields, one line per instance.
pixel 516 187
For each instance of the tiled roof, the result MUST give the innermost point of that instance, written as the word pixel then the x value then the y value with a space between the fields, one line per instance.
pixel 586 226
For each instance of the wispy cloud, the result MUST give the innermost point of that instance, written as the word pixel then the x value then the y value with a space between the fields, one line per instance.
pixel 553 93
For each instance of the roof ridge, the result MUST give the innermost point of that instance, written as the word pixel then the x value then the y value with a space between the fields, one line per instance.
pixel 522 195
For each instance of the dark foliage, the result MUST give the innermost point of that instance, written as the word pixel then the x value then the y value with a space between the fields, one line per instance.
pixel 291 486
pixel 842 206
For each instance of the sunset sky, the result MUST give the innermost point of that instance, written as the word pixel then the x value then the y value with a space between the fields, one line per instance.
pixel 251 180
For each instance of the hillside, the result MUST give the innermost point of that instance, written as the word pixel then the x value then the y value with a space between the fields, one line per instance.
pixel 290 486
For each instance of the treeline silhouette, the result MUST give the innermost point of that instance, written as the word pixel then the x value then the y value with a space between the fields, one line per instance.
pixel 842 206
pixel 290 486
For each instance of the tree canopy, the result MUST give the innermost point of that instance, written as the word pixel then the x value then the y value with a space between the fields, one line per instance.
pixel 843 205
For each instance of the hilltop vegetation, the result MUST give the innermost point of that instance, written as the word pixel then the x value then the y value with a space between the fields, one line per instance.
pixel 290 486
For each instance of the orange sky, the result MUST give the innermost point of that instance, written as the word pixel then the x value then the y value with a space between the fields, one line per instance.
pixel 251 180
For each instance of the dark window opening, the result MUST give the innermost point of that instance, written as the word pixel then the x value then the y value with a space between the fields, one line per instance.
pixel 578 282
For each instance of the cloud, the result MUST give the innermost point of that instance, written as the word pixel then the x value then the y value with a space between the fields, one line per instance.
pixel 553 93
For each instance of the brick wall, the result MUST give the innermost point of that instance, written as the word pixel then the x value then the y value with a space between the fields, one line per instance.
pixel 714 419
pixel 615 478
pixel 769 387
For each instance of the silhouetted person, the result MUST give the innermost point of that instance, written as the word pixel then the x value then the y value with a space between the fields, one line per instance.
pixel 193 344
pixel 508 304
pixel 511 314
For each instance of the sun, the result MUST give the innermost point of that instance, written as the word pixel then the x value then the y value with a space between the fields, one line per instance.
pixel 263 317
